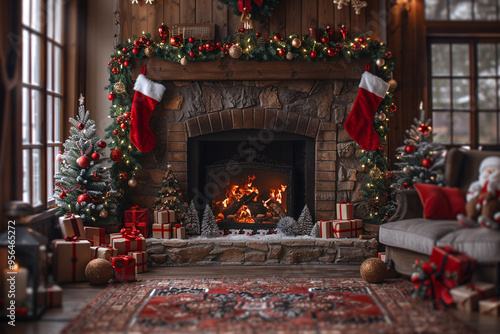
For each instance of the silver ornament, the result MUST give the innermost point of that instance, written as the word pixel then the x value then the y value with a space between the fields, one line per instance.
pixel 289 56
pixel 132 183
pixel 184 61
pixel 380 62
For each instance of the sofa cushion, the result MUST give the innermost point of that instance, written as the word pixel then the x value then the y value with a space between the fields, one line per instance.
pixel 480 243
pixel 441 202
pixel 418 234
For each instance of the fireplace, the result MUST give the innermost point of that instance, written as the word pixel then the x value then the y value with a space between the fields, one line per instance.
pixel 251 178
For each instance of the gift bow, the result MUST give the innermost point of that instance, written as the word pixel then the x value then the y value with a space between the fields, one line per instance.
pixel 69 215
pixel 72 238
pixel 178 225
pixel 245 6
pixel 136 207
pixel 130 234
pixel 344 202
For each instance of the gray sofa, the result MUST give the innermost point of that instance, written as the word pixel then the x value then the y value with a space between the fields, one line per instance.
pixel 407 236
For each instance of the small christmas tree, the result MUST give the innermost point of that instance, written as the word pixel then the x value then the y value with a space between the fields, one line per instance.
pixel 286 226
pixel 193 228
pixel 83 182
pixel 170 197
pixel 305 223
pixel 209 226
pixel 315 231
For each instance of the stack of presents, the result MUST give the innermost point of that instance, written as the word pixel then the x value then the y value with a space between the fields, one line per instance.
pixel 446 280
pixel 345 226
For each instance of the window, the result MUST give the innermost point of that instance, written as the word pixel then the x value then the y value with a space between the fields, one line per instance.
pixel 462 10
pixel 42 97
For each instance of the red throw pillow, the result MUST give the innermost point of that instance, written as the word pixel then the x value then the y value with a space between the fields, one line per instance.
pixel 440 202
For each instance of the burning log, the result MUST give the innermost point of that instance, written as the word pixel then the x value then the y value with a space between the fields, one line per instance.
pixel 276 208
pixel 244 200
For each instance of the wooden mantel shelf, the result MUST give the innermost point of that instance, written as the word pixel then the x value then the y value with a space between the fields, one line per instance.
pixel 232 69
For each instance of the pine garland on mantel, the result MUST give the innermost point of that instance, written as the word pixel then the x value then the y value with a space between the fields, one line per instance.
pixel 248 46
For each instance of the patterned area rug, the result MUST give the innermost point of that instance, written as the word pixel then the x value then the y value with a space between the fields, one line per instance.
pixel 271 305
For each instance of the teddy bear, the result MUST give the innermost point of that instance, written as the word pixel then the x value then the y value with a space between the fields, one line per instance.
pixel 483 197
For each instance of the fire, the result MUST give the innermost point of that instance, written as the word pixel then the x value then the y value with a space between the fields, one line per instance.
pixel 277 194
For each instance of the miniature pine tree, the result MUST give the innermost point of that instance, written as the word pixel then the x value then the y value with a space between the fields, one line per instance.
pixel 209 226
pixel 305 223
pixel 193 227
pixel 315 231
pixel 171 198
pixel 83 182
pixel 286 226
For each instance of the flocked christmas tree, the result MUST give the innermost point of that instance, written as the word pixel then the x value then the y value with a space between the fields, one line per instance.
pixel 83 182
pixel 193 228
pixel 170 197
pixel 209 226
pixel 305 222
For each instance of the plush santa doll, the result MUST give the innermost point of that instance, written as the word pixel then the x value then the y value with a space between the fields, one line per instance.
pixel 483 197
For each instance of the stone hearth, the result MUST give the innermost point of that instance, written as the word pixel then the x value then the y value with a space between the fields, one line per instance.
pixel 259 251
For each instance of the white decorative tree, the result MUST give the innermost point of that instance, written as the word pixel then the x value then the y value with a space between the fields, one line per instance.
pixel 315 231
pixel 209 226
pixel 286 226
pixel 305 223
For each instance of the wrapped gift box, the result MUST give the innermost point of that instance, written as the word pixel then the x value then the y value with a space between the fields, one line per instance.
pixel 344 211
pixel 351 228
pixel 140 261
pixel 164 216
pixel 70 260
pixel 490 306
pixel 136 215
pixel 130 241
pixel 381 255
pixel 72 225
pixel 453 267
pixel 99 252
pixel 124 267
pixel 162 231
pixel 325 229
pixel 114 236
pixel 54 295
pixel 179 232
pixel 467 297
pixel 96 235
pixel 142 227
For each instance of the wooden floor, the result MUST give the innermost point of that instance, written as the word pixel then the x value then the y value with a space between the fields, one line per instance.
pixel 77 295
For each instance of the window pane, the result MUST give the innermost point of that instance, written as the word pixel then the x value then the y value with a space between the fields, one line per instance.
pixel 486 59
pixel 36 68
pixel 37 191
pixel 436 10
pixel 461 94
pixel 26 12
pixel 460 10
pixel 440 93
pixel 50 18
pixel 488 128
pixel 485 10
pixel 498 56
pixel 26 56
pixel 26 176
pixel 460 59
pixel 441 127
pixel 36 121
pixel 58 19
pixel 57 119
pixel 50 172
pixel 57 69
pixel 440 59
pixel 49 66
pixel 461 128
pixel 50 120
pixel 36 14
pixel 26 116
pixel 487 94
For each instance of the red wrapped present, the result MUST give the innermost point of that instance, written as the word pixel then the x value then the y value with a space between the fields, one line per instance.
pixel 350 228
pixel 54 295
pixel 325 229
pixel 72 225
pixel 136 215
pixel 130 241
pixel 344 211
pixel 467 297
pixel 124 267
pixel 164 216
pixel 99 252
pixel 179 231
pixel 96 235
pixel 490 306
pixel 71 257
pixel 140 261
pixel 452 267
pixel 142 227
pixel 162 231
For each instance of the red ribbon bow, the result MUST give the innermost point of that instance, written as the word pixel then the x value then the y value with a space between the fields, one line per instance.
pixel 69 215
pixel 245 6
pixel 344 202
pixel 72 238
pixel 136 207
pixel 130 234
pixel 178 225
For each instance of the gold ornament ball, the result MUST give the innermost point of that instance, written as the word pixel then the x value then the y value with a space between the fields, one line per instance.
pixel 380 62
pixel 99 271
pixel 373 270
pixel 289 56
pixel 406 170
pixel 132 183
pixel 119 87
pixel 184 61
pixel 393 84
pixel 103 213
pixel 235 51
pixel 296 43
pixel 262 41
pixel 149 51
pixel 375 173
pixel 381 116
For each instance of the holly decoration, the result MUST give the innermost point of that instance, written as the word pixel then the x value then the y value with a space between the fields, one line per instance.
pixel 256 8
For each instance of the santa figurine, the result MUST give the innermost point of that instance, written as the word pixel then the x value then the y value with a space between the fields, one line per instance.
pixel 483 197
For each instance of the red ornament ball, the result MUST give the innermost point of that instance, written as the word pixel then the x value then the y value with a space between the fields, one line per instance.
pixel 135 51
pixel 83 198
pixel 83 161
pixel 278 37
pixel 201 48
pixel 210 46
pixel 116 132
pixel 124 50
pixel 101 144
pixel 126 114
pixel 241 30
pixel 137 43
pixel 356 46
pixel 314 54
pixel 191 39
pixel 95 156
pixel 192 54
pixel 116 155
pixel 424 129
pixel 80 126
pixel 123 126
pixel 126 63
pixel 111 96
pixel 124 176
pixel 176 41
pixel 427 163
pixel 332 52
pixel 410 149
pixel 281 52
pixel 393 108
pixel 163 33
pixel 325 39
pixel 388 175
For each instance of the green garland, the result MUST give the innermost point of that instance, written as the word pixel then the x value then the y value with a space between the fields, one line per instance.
pixel 257 48
pixel 265 10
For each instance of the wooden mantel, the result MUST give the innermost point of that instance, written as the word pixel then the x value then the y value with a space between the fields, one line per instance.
pixel 232 69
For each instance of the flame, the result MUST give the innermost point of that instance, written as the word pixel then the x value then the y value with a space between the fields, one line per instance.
pixel 244 215
pixel 277 194
pixel 15 267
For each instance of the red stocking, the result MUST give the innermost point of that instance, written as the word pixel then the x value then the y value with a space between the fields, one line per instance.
pixel 359 123
pixel 147 95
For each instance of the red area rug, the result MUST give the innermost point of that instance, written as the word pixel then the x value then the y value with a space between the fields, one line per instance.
pixel 271 305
